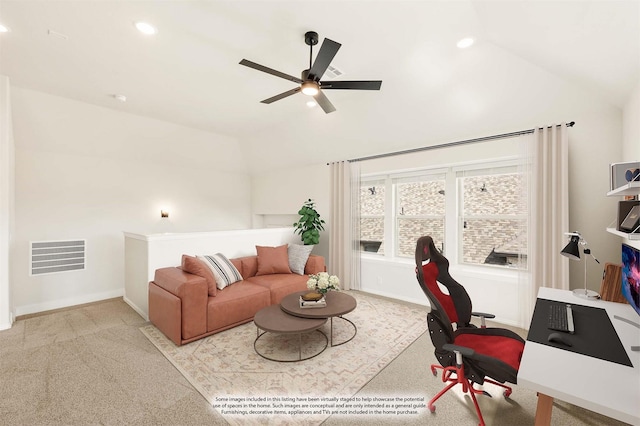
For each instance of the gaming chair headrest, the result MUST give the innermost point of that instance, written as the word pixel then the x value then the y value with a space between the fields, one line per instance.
pixel 424 247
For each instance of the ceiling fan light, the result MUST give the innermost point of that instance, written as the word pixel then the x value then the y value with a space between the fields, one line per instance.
pixel 309 88
pixel 145 28
pixel 465 42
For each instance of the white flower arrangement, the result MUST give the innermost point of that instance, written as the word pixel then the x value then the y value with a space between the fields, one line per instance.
pixel 323 282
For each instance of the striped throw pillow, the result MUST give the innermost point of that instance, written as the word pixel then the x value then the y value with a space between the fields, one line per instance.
pixel 222 268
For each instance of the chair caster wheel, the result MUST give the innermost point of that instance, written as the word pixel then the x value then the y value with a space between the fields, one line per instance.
pixel 434 372
pixel 432 408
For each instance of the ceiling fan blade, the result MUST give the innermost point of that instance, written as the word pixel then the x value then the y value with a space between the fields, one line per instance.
pixel 352 85
pixel 281 96
pixel 262 68
pixel 326 54
pixel 324 102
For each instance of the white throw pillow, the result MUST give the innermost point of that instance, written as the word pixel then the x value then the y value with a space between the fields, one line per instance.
pixel 298 256
pixel 222 268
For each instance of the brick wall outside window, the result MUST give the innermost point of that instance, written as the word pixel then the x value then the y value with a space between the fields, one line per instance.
pixel 494 214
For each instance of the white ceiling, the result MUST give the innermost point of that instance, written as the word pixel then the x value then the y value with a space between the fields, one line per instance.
pixel 188 73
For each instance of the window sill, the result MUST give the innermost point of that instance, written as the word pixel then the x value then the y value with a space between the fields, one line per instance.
pixel 487 271
pixel 479 270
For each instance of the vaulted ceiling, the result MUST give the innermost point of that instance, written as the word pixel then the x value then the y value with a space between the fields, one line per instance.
pixel 188 73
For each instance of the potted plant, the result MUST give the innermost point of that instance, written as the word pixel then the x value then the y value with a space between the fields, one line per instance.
pixel 309 225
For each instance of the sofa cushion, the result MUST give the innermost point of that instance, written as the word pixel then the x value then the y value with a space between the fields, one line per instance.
pixel 222 268
pixel 273 260
pixel 248 266
pixel 280 285
pixel 298 255
pixel 195 266
pixel 314 265
pixel 236 304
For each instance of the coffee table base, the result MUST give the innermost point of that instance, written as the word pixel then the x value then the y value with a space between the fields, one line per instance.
pixel 274 320
pixel 259 335
pixel 355 331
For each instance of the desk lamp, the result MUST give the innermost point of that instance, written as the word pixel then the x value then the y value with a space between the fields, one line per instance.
pixel 572 251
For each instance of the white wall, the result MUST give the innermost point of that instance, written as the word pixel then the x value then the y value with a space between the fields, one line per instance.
pixel 6 203
pixel 631 136
pixel 594 142
pixel 492 290
pixel 87 172
pixel 631 127
pixel 280 194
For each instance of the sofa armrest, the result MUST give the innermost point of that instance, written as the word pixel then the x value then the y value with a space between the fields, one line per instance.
pixel 193 292
pixel 314 265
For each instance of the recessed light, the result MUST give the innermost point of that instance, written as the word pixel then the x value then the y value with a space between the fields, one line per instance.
pixel 4 29
pixel 311 104
pixel 121 98
pixel 465 42
pixel 145 28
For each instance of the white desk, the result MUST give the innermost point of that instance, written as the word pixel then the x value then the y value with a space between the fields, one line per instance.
pixel 597 385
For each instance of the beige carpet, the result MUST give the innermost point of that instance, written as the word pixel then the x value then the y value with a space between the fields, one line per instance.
pixel 225 369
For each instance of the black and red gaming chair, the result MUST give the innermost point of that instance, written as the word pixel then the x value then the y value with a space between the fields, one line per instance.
pixel 468 354
pixel 456 304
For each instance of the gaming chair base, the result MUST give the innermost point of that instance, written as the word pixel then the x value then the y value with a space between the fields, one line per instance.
pixel 455 376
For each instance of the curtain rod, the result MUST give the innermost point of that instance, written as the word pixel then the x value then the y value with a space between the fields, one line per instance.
pixel 450 144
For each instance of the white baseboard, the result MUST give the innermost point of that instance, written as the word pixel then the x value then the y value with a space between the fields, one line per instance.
pixel 135 308
pixel 421 301
pixel 6 325
pixel 65 303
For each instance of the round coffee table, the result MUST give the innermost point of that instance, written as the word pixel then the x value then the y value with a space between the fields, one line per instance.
pixel 338 304
pixel 273 320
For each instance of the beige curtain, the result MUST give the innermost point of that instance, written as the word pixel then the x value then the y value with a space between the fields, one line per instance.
pixel 548 156
pixel 344 233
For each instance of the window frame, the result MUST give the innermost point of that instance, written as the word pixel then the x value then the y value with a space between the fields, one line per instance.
pixel 452 217
pixel 382 181
pixel 493 168
pixel 430 175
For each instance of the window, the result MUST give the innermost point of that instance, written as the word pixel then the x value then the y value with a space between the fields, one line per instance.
pixel 492 217
pixel 372 213
pixel 487 204
pixel 420 210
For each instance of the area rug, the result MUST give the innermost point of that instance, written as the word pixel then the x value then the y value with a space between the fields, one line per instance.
pixel 248 389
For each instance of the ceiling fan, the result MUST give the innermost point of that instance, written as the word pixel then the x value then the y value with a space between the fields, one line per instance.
pixel 309 82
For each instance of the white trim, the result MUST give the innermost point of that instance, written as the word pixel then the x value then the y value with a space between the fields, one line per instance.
pixel 421 301
pixel 195 235
pixel 65 303
pixel 135 307
pixel 7 203
pixel 469 165
pixel 490 163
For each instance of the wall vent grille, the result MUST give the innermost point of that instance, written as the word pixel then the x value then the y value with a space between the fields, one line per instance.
pixel 50 257
pixel 332 72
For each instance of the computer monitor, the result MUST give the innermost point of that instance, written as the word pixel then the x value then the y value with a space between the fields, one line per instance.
pixel 631 276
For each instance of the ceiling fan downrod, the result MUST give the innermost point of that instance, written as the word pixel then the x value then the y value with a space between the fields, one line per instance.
pixel 311 39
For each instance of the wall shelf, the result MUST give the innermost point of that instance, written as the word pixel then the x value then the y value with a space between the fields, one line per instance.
pixel 632 188
pixel 626 235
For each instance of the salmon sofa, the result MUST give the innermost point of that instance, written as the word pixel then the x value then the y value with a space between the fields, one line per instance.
pixel 186 305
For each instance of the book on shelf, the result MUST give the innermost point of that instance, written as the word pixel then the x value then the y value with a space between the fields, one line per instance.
pixel 320 303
